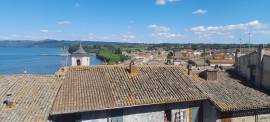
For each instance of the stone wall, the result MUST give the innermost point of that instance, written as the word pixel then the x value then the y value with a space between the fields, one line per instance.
pixel 266 72
pixel 255 117
pixel 209 112
pixel 154 113
pixel 244 62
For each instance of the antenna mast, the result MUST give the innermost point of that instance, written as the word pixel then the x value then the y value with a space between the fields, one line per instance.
pixel 249 34
pixel 240 44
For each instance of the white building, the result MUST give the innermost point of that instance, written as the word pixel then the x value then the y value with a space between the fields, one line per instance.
pixel 80 57
pixel 197 53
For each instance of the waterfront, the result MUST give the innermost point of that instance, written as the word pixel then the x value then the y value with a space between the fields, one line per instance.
pixel 34 60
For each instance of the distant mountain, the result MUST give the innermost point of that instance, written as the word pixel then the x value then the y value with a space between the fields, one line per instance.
pixel 51 43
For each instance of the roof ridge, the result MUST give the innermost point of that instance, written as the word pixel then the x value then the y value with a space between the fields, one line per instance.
pixel 137 65
pixel 47 75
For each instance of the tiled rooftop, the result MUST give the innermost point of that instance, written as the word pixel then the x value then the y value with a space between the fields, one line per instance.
pixel 230 93
pixel 106 87
pixel 267 52
pixel 216 61
pixel 33 94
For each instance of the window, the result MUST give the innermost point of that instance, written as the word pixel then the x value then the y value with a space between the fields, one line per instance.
pixel 167 116
pixel 78 62
pixel 180 116
pixel 116 116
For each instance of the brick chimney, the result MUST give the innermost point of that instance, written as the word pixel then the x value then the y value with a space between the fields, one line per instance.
pixel 189 68
pixel 8 102
pixel 132 67
pixel 209 75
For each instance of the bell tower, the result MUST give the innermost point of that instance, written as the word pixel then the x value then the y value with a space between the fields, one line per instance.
pixel 80 57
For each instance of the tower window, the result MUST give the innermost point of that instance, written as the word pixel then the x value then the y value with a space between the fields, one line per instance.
pixel 78 62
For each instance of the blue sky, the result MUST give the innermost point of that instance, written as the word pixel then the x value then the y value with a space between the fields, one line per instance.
pixel 148 21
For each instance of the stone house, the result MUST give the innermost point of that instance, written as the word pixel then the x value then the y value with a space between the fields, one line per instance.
pixel 255 67
pixel 133 93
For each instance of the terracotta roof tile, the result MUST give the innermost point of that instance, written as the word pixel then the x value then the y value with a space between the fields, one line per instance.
pixel 217 61
pixel 33 94
pixel 229 93
pixel 106 87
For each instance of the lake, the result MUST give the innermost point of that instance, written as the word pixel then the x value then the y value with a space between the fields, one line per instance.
pixel 34 60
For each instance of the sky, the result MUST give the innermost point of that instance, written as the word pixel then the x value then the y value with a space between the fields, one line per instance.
pixel 137 21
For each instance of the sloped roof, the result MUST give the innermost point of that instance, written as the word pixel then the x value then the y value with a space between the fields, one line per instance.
pixel 229 93
pixel 33 94
pixel 80 52
pixel 267 52
pixel 107 87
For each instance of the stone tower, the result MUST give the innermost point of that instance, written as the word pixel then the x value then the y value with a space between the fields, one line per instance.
pixel 80 57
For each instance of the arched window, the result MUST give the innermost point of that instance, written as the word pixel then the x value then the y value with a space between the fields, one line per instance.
pixel 78 62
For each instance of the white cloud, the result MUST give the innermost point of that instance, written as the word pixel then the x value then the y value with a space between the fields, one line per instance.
pixel 128 37
pixel 263 32
pixel 3 37
pixel 200 11
pixel 224 29
pixel 64 22
pixel 77 5
pixel 44 31
pixel 164 2
pixel 158 28
pixel 168 35
pixel 51 31
pixel 14 35
pixel 163 32
pixel 124 37
pixel 22 37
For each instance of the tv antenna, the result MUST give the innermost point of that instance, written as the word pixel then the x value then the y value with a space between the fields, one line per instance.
pixel 240 44
pixel 249 35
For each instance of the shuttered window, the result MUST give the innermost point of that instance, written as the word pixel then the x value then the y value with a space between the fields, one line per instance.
pixel 181 116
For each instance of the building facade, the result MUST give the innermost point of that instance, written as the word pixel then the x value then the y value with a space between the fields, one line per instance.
pixel 255 67
pixel 132 93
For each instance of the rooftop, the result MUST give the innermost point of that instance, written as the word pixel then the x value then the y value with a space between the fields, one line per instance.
pixel 80 52
pixel 267 52
pixel 224 61
pixel 231 93
pixel 33 94
pixel 107 87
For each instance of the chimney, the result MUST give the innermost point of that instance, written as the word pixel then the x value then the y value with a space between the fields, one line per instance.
pixel 236 64
pixel 261 51
pixel 259 66
pixel 131 67
pixel 210 74
pixel 189 67
pixel 8 101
